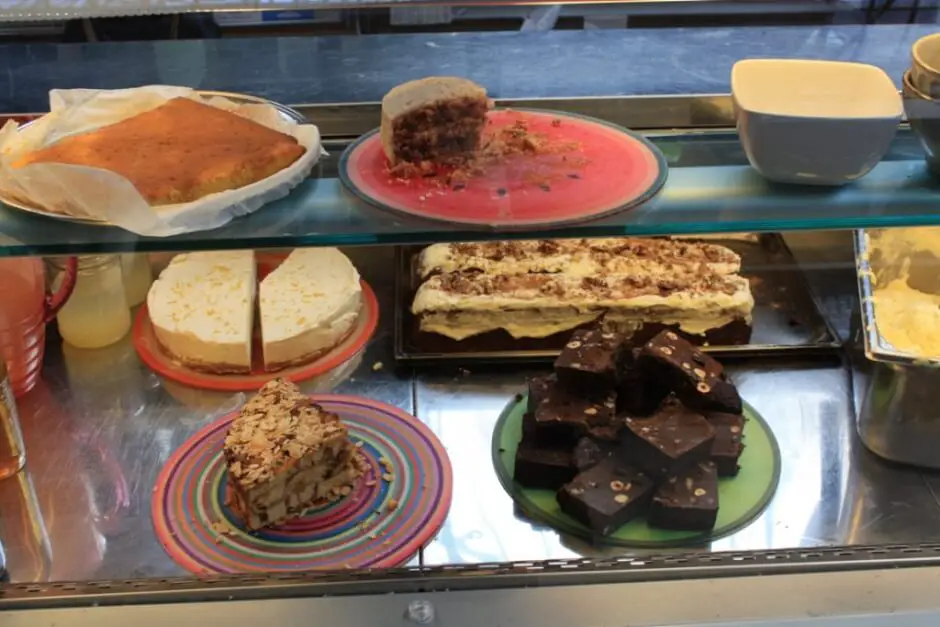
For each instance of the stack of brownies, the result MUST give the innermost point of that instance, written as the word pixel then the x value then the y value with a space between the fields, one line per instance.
pixel 622 431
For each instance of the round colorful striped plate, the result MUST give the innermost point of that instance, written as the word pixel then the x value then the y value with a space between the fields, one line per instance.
pixel 381 524
pixel 588 169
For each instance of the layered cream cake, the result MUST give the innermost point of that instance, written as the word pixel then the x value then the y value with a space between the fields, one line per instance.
pixel 202 310
pixel 308 305
pixel 538 305
pixel 537 289
pixel 579 257
pixel 439 119
pixel 284 453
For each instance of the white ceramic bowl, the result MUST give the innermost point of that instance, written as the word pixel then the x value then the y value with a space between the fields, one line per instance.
pixel 814 122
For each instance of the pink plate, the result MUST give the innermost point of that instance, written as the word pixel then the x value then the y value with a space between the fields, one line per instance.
pixel 592 169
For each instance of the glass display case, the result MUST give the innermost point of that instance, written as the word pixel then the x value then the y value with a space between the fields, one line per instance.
pixel 124 512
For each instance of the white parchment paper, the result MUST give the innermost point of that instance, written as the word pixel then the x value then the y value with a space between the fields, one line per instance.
pixel 92 192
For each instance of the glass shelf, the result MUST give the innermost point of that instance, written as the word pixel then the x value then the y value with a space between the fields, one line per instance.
pixel 711 189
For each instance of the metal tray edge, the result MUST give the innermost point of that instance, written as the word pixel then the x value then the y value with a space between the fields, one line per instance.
pixel 875 347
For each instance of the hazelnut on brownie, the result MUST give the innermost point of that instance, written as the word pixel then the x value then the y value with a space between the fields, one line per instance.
pixel 558 411
pixel 668 442
pixel 698 380
pixel 589 361
pixel 688 501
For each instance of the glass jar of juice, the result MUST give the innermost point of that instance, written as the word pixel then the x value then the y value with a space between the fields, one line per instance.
pixel 97 314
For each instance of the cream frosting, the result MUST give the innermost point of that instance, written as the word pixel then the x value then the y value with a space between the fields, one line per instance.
pixel 579 257
pixel 905 289
pixel 540 305
pixel 308 305
pixel 202 306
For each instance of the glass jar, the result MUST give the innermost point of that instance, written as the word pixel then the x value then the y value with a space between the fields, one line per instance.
pixel 137 277
pixel 97 313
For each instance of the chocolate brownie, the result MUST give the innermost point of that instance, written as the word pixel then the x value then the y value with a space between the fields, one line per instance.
pixel 588 363
pixel 671 440
pixel 589 452
pixel 606 496
pixel 728 445
pixel 688 501
pixel 558 411
pixel 638 394
pixel 538 467
pixel 540 436
pixel 697 379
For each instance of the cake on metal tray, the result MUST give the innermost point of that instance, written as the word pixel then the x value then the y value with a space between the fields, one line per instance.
pixel 535 289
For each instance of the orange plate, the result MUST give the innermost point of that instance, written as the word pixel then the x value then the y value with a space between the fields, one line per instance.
pixel 152 354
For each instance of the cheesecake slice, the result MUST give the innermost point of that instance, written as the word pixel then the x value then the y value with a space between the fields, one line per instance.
pixel 202 309
pixel 285 453
pixel 308 305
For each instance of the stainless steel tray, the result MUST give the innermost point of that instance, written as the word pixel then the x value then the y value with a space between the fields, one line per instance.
pixel 876 347
pixel 894 394
pixel 286 112
pixel 787 320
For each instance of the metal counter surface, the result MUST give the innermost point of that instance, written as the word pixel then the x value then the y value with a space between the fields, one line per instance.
pixel 101 425
pixel 346 69
pixel 99 428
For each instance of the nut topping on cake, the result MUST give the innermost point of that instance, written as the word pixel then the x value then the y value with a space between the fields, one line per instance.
pixel 283 453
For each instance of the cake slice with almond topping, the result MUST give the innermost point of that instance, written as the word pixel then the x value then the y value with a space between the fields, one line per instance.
pixel 285 453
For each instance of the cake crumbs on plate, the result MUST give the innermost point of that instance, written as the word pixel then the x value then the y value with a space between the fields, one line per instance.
pixel 388 477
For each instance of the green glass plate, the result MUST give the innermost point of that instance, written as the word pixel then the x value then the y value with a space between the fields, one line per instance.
pixel 741 499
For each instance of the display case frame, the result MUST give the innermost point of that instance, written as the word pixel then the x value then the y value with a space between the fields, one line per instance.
pixel 880 578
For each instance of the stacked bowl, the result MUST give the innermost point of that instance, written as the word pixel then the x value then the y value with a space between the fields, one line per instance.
pixel 921 87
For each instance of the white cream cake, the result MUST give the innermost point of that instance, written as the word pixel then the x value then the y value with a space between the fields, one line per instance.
pixel 577 257
pixel 459 306
pixel 202 310
pixel 284 453
pixel 308 305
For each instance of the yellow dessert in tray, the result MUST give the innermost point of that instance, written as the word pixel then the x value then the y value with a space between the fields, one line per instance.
pixel 178 152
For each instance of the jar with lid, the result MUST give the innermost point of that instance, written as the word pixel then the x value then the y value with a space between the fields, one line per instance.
pixel 97 313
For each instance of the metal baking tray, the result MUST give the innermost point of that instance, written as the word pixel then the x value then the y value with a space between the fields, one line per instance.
pixel 876 347
pixel 894 394
pixel 787 320
pixel 287 113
